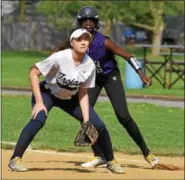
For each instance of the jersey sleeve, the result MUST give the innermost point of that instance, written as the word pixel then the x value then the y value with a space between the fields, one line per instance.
pixel 46 65
pixel 90 82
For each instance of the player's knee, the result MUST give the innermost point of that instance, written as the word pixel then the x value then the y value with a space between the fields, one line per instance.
pixel 41 117
pixel 125 120
pixel 77 113
pixel 33 127
pixel 100 126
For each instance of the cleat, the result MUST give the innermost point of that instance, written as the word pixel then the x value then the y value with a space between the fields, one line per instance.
pixel 96 161
pixel 152 160
pixel 16 165
pixel 114 167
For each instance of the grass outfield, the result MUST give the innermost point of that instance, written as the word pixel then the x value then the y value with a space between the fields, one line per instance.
pixel 163 128
pixel 16 66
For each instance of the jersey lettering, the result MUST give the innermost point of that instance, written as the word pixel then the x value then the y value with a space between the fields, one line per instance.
pixel 68 84
pixel 98 67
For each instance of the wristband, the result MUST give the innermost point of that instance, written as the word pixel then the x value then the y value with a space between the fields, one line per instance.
pixel 134 63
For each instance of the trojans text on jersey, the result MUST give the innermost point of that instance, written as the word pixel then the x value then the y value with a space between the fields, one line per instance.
pixel 69 84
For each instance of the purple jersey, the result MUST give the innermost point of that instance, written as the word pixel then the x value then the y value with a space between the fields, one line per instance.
pixel 103 58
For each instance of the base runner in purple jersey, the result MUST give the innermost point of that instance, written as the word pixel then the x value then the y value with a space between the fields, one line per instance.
pixel 103 50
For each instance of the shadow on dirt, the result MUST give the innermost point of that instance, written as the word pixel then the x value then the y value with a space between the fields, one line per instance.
pixel 61 169
pixel 48 161
pixel 135 166
pixel 76 163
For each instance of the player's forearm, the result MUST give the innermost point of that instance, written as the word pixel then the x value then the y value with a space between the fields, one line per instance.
pixel 34 79
pixel 140 72
pixel 84 104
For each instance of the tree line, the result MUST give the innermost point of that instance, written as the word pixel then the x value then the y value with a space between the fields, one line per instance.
pixel 148 15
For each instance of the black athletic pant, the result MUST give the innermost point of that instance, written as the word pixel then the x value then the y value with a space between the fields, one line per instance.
pixel 115 91
pixel 71 107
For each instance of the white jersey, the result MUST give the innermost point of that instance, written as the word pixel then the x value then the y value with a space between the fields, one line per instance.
pixel 63 77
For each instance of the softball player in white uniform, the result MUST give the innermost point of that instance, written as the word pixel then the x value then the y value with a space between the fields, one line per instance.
pixel 68 74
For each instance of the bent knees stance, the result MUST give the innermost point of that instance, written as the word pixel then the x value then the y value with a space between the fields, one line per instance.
pixel 96 121
pixel 124 120
pixel 36 124
pixel 41 117
pixel 26 136
pixel 123 115
pixel 93 118
pixel 33 127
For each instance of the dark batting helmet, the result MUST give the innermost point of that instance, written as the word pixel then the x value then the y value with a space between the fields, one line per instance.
pixel 88 12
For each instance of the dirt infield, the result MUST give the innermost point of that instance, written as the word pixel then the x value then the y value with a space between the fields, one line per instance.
pixel 52 165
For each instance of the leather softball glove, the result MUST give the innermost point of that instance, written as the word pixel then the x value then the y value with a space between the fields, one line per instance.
pixel 87 135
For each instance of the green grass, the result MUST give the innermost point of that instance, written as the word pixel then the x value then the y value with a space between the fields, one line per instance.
pixel 156 88
pixel 16 66
pixel 163 131
pixel 138 51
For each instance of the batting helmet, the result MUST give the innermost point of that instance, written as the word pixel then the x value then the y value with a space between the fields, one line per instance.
pixel 88 12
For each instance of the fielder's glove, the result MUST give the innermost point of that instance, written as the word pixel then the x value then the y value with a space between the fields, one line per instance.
pixel 87 135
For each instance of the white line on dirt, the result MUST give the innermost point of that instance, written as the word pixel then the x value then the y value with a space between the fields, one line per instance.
pixel 69 154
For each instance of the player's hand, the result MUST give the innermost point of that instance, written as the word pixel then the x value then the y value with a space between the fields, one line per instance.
pixel 39 106
pixel 146 80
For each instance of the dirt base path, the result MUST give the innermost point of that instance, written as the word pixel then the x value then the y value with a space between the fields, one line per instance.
pixel 52 165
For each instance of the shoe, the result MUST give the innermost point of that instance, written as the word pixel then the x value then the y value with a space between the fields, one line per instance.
pixel 96 161
pixel 114 167
pixel 16 165
pixel 152 160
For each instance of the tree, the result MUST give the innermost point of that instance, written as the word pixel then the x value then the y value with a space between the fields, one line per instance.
pixel 144 14
pixel 62 13
pixel 22 10
pixel 148 15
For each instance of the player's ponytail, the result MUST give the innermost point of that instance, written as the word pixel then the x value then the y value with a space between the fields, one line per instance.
pixel 64 45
